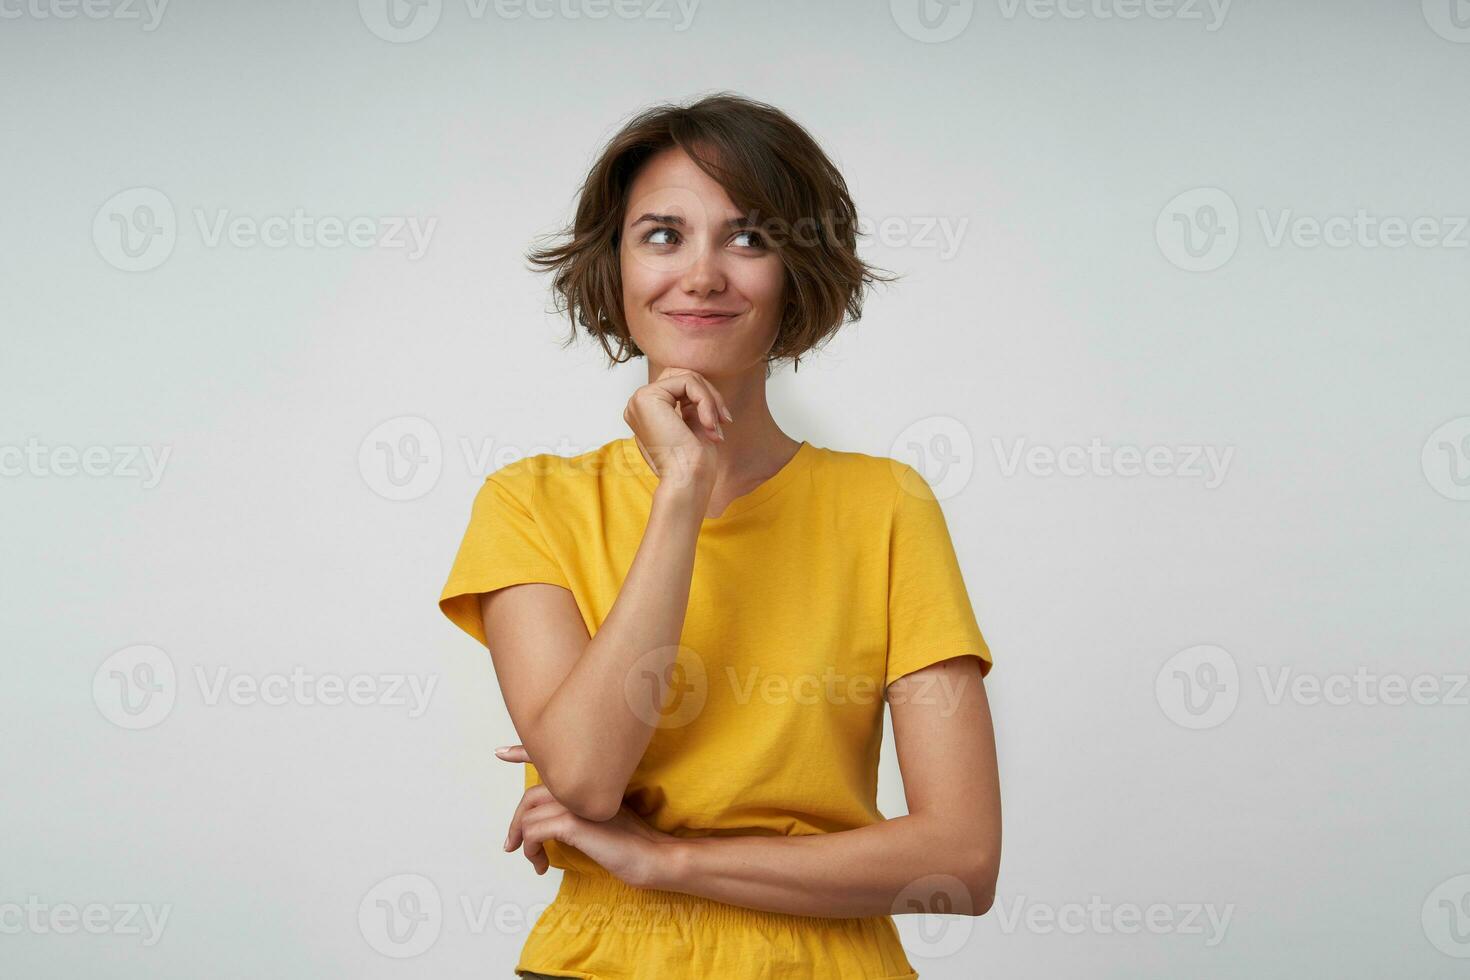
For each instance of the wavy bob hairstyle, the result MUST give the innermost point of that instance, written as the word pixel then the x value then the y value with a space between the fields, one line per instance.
pixel 773 171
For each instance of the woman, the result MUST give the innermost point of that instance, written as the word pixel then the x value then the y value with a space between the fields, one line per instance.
pixel 695 628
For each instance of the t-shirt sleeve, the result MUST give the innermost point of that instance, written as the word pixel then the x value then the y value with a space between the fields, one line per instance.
pixel 929 613
pixel 502 546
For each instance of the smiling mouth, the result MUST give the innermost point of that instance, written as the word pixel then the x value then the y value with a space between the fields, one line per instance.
pixel 701 319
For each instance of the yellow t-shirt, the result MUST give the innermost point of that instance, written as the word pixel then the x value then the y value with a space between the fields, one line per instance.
pixel 809 594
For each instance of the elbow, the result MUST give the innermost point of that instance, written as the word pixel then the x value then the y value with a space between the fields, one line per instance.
pixel 594 806
pixel 979 876
pixel 583 794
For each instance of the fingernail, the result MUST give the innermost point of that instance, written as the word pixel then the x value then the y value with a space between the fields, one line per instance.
pixel 506 845
pixel 720 429
pixel 728 416
pixel 502 750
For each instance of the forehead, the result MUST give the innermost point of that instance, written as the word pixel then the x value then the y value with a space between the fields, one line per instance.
pixel 670 182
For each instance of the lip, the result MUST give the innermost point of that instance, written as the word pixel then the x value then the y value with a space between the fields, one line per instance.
pixel 693 318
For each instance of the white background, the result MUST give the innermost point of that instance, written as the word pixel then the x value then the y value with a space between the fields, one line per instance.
pixel 1334 542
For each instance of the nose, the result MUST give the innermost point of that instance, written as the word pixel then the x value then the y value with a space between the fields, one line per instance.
pixel 704 274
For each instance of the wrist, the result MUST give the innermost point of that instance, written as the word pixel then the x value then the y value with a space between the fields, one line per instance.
pixel 687 498
pixel 671 865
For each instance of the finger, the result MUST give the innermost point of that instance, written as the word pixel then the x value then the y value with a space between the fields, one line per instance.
pixel 541 862
pixel 541 828
pixel 708 407
pixel 536 813
pixel 722 409
pixel 535 796
pixel 693 407
pixel 513 753
pixel 690 411
pixel 691 387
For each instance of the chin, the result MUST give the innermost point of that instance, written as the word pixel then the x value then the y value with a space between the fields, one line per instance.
pixel 707 359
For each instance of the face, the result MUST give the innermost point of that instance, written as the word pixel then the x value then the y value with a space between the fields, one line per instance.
pixel 701 289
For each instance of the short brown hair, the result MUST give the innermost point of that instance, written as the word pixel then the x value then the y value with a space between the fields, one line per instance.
pixel 772 169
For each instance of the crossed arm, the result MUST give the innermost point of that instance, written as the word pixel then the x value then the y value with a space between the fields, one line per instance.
pixel 565 690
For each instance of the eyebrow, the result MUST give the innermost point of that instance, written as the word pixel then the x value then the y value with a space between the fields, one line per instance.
pixel 736 223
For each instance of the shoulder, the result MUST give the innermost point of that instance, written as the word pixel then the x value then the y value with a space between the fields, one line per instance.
pixel 553 474
pixel 882 474
pixel 866 478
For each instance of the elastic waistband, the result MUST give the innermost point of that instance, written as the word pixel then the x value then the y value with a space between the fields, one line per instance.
pixel 602 901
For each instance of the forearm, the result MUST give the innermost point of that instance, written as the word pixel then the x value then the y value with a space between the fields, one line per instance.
pixel 602 716
pixel 850 873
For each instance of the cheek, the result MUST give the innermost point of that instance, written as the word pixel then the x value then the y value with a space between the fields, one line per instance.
pixel 641 284
pixel 629 275
pixel 763 282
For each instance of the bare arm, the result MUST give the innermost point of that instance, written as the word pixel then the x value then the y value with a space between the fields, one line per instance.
pixel 569 695
pixel 953 828
pixel 583 705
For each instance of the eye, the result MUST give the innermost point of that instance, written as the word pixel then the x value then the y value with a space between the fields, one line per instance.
pixel 754 239
pixel 651 237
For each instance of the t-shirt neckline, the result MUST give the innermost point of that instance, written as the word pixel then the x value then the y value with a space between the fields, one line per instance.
pixel 799 462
